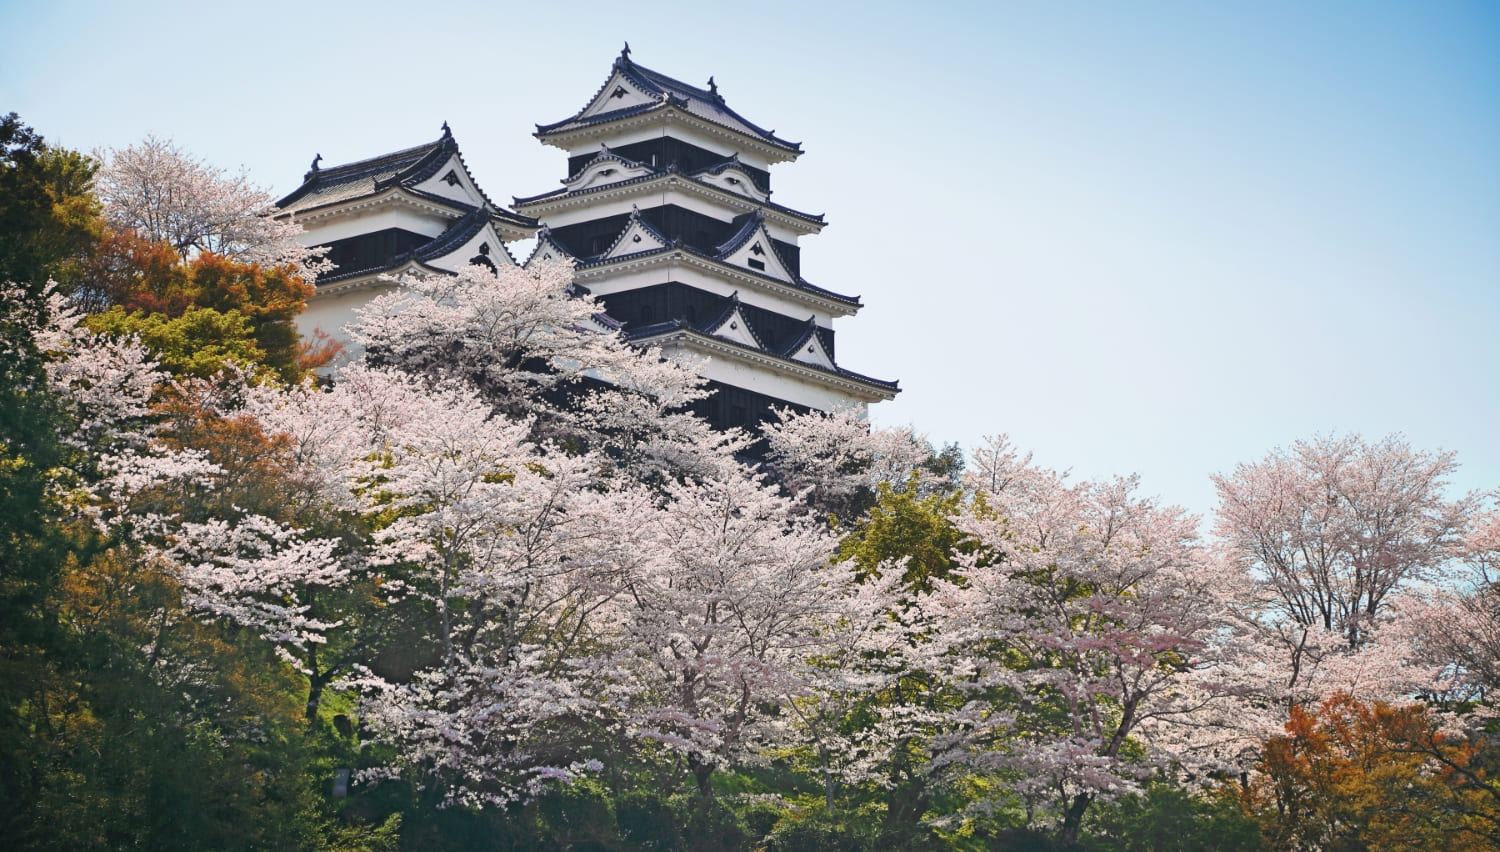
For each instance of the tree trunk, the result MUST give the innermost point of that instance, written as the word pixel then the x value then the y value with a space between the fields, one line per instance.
pixel 1073 819
pixel 703 773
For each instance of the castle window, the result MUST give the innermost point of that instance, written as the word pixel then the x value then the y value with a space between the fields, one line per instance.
pixel 757 264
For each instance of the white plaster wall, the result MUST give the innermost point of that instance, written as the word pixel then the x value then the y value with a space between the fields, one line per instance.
pixel 718 145
pixel 637 196
pixel 646 197
pixel 331 313
pixel 782 387
pixel 319 231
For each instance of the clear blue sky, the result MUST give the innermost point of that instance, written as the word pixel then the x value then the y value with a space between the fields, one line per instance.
pixel 1151 237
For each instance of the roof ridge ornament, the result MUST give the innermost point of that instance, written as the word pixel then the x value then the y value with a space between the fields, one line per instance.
pixel 447 131
pixel 312 171
pixel 713 89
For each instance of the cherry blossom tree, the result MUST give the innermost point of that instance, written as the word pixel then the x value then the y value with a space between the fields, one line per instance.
pixel 1457 629
pixel 239 567
pixel 502 560
pixel 1334 531
pixel 538 349
pixel 161 192
pixel 830 458
pixel 1470 643
pixel 857 711
pixel 1088 629
pixel 736 596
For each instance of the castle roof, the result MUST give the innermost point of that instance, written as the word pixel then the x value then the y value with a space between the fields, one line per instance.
pixel 458 234
pixel 696 338
pixel 632 90
pixel 646 183
pixel 439 255
pixel 720 261
pixel 405 170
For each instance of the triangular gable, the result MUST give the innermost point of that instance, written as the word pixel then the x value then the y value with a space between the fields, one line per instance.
pixel 734 327
pixel 603 169
pixel 810 350
pixel 637 237
pixel 734 180
pixel 547 249
pixel 619 93
pixel 753 249
pixel 484 248
pixel 452 180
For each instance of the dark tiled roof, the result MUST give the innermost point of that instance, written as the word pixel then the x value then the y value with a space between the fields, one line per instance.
pixel 670 326
pixel 457 234
pixel 671 169
pixel 800 284
pixel 346 274
pixel 364 177
pixel 747 230
pixel 706 104
pixel 406 168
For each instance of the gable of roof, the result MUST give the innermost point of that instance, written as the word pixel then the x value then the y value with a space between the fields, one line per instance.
pixel 408 169
pixel 809 349
pixel 471 237
pixel 603 168
pixel 751 247
pixel 547 248
pixel 633 89
pixel 733 325
pixel 638 236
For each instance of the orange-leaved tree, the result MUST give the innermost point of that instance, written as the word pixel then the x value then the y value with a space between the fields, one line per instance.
pixel 1354 775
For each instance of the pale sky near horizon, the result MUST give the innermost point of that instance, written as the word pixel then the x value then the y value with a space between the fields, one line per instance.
pixel 1160 238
